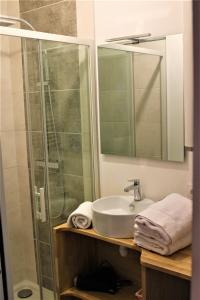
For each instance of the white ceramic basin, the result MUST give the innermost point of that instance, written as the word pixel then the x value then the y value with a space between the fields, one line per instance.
pixel 114 216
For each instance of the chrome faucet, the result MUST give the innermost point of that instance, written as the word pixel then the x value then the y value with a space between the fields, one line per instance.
pixel 135 187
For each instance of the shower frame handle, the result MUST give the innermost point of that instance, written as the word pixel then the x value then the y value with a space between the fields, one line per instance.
pixel 41 205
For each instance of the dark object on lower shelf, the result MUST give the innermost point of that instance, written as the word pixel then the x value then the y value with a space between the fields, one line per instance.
pixel 104 279
pixel 25 293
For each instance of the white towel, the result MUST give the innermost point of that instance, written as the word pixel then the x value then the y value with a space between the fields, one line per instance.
pixel 82 216
pixel 165 226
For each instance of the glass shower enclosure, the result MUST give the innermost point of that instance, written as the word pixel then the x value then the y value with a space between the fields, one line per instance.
pixel 58 149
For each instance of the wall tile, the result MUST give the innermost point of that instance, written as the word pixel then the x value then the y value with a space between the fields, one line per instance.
pixel 147 71
pixel 11 186
pixel 66 111
pixel 8 140
pixel 114 69
pixel 59 18
pixel 148 105
pixel 63 66
pixel 13 218
pixel 72 154
pixel 115 105
pixel 34 100
pixel 45 257
pixel 7 118
pixel 33 71
pixel 27 224
pixel 43 231
pixel 21 149
pixel 54 147
pixel 19 109
pixel 148 140
pixel 37 146
pixel 16 64
pixel 39 176
pixel 116 138
pixel 47 283
pixel 56 188
pixel 74 187
pixel 26 5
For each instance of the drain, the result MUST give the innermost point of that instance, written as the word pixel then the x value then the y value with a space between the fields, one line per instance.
pixel 25 293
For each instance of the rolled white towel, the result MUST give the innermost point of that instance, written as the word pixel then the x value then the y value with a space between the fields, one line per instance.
pixel 165 226
pixel 81 217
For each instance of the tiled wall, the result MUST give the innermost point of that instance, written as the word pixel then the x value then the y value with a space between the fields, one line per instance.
pixel 115 96
pixel 130 103
pixel 67 113
pixel 52 16
pixel 64 138
pixel 147 98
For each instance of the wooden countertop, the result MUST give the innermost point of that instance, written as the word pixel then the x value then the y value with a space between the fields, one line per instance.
pixel 129 243
pixel 179 264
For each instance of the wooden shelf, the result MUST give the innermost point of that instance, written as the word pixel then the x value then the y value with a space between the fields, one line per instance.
pixel 129 243
pixel 80 251
pixel 126 293
pixel 178 264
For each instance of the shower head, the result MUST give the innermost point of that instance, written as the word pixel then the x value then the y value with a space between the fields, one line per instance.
pixel 6 23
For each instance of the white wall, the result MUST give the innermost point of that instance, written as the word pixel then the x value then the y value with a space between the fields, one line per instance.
pixel 85 18
pixel 121 17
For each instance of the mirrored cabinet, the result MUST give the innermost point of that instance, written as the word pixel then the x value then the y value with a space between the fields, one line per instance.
pixel 141 98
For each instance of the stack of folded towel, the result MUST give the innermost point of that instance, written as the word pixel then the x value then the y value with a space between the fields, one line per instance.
pixel 166 226
pixel 82 216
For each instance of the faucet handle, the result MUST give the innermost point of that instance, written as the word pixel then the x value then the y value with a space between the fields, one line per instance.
pixel 135 181
pixel 131 180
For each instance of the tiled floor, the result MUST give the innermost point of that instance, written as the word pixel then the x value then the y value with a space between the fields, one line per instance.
pixel 47 294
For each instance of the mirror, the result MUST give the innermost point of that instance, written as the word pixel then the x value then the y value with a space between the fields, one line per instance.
pixel 141 98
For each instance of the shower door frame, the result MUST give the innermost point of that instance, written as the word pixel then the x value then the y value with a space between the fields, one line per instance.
pixel 41 36
pixel 37 35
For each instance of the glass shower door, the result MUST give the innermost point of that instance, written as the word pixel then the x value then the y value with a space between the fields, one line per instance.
pixel 58 130
pixel 34 89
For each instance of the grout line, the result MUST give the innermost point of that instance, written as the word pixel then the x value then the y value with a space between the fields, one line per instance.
pixel 52 90
pixel 45 243
pixel 53 132
pixel 72 175
pixel 144 88
pixel 37 8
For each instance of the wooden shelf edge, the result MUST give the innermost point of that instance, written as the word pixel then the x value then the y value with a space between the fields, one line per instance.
pixel 126 294
pixel 178 264
pixel 129 243
pixel 79 294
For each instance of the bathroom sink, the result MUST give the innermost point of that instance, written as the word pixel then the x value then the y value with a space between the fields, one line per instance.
pixel 114 216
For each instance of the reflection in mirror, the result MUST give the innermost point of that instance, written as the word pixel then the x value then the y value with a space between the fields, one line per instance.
pixel 141 99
